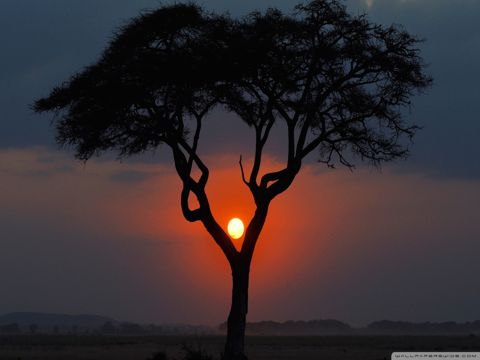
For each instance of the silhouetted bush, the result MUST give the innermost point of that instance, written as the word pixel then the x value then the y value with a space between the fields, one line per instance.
pixel 190 354
pixel 195 354
pixel 158 356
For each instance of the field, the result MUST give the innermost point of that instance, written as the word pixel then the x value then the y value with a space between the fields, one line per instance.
pixel 29 347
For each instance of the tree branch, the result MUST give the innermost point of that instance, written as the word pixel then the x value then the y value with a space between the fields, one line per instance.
pixel 267 121
pixel 195 140
pixel 321 97
pixel 201 165
pixel 243 173
pixel 203 213
pixel 189 215
pixel 253 230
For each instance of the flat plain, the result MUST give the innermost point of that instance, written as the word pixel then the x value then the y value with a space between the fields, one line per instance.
pixel 102 347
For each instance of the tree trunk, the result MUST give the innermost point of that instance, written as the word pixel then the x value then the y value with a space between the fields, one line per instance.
pixel 235 346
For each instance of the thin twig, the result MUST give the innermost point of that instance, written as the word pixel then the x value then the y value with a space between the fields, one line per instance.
pixel 243 172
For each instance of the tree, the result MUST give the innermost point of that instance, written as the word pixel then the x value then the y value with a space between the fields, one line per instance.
pixel 33 328
pixel 108 328
pixel 12 328
pixel 338 83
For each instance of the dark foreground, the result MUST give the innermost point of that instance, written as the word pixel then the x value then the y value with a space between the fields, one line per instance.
pixel 29 347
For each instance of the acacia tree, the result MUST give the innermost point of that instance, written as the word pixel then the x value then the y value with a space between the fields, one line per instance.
pixel 337 82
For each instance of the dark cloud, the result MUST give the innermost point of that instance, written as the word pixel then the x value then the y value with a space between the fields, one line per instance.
pixel 131 176
pixel 43 44
pixel 46 42
pixel 448 145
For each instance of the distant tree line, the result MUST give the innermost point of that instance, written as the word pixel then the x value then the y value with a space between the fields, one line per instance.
pixel 10 329
pixel 335 327
pixel 312 327
pixel 404 327
pixel 129 328
pixel 108 328
pixel 15 328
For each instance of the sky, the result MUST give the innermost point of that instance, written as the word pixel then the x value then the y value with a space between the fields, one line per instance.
pixel 108 237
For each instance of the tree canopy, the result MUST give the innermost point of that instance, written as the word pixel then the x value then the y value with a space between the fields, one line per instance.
pixel 334 79
pixel 158 69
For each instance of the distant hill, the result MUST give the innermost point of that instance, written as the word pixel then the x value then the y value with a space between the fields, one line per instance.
pixel 50 321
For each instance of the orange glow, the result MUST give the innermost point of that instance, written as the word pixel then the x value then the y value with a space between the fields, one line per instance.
pixel 236 228
pixel 328 227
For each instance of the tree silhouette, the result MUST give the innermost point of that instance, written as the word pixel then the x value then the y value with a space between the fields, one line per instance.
pixel 338 83
pixel 33 328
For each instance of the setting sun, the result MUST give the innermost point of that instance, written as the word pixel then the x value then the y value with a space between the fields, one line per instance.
pixel 235 228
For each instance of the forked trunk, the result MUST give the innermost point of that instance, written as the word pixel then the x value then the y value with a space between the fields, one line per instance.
pixel 235 346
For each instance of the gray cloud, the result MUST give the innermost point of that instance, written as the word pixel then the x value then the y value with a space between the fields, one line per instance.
pixel 131 176
pixel 48 172
pixel 45 42
pixel 448 145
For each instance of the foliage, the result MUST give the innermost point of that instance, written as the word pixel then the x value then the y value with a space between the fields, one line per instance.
pixel 197 353
pixel 191 353
pixel 158 356
pixel 155 71
pixel 339 77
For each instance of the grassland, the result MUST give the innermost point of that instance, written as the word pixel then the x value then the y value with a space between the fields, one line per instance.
pixel 89 347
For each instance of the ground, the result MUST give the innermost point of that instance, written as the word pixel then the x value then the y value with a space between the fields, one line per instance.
pixel 89 347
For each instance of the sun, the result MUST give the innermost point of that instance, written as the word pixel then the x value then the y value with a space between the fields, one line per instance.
pixel 235 228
